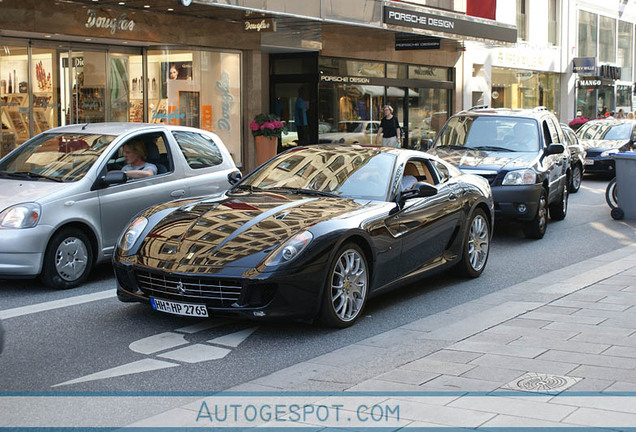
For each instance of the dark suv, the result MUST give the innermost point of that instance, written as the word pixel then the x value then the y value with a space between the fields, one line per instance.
pixel 523 155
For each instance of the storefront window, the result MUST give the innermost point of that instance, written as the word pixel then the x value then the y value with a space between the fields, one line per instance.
pixel 607 40
pixel 14 98
pixel 588 31
pixel 428 111
pixel 522 19
pixel 517 88
pixel 199 89
pixel 429 73
pixel 625 49
pixel 624 97
pixel 45 88
pixel 125 83
pixel 396 71
pixel 341 67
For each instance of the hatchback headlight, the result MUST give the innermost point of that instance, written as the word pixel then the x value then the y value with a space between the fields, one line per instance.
pixel 131 235
pixel 290 249
pixel 607 153
pixel 25 215
pixel 520 177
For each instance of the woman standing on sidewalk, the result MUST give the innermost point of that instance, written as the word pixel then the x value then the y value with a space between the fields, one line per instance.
pixel 389 129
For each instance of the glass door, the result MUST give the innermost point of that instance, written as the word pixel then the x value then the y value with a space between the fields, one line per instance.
pixel 85 82
pixel 45 88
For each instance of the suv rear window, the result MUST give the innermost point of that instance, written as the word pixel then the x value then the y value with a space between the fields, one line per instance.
pixel 490 133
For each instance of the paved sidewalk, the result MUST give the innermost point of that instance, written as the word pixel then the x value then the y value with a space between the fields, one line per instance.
pixel 558 350
pixel 499 361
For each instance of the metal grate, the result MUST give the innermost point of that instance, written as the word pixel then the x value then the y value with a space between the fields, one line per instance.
pixel 541 383
pixel 215 292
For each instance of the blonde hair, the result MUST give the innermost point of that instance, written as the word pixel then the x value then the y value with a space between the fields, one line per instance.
pixel 389 107
pixel 138 147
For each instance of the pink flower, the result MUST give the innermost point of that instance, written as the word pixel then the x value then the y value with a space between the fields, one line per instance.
pixel 269 125
pixel 254 126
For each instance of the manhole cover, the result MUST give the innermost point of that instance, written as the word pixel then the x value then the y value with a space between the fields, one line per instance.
pixel 541 383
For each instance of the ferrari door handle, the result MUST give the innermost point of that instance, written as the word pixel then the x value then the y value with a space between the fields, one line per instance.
pixel 452 197
pixel 177 193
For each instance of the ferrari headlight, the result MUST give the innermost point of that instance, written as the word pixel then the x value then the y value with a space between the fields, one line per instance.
pixel 520 177
pixel 290 249
pixel 131 235
pixel 25 215
pixel 607 153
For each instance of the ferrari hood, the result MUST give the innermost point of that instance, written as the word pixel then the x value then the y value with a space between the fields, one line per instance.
pixel 486 159
pixel 235 230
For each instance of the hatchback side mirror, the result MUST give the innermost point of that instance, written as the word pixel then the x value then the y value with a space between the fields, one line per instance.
pixel 234 177
pixel 554 149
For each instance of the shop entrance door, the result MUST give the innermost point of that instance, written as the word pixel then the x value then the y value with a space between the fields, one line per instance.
pixel 95 85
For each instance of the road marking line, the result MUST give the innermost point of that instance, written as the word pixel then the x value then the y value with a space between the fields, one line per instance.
pixel 196 353
pixel 144 365
pixel 233 339
pixel 56 304
pixel 156 343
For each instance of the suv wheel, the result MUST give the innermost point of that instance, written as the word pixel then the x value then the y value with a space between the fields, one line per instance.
pixel 535 228
pixel 559 209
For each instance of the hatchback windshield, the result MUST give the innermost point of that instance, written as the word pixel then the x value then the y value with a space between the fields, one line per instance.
pixel 508 134
pixel 56 157
pixel 605 131
pixel 355 173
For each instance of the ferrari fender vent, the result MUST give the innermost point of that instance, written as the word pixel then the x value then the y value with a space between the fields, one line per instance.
pixel 216 292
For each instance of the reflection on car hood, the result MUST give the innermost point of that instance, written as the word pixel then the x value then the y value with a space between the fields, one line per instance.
pixel 236 230
pixel 602 144
pixel 16 191
pixel 485 159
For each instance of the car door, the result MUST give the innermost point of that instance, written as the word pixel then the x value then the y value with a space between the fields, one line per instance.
pixel 206 165
pixel 556 164
pixel 426 224
pixel 120 202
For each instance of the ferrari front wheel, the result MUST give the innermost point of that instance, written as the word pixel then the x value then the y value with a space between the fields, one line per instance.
pixel 346 289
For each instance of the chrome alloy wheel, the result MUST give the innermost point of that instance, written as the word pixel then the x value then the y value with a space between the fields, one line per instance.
pixel 349 284
pixel 71 259
pixel 478 242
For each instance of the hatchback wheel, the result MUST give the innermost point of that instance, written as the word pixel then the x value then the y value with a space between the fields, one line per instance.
pixel 535 228
pixel 476 245
pixel 347 288
pixel 68 259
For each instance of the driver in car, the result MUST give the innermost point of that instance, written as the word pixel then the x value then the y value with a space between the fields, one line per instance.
pixel 137 167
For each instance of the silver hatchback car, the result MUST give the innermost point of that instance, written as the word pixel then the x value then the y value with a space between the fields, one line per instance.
pixel 65 198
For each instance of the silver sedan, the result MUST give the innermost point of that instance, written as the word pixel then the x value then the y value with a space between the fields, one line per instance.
pixel 64 198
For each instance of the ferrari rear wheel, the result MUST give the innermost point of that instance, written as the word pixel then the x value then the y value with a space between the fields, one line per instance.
pixel 347 288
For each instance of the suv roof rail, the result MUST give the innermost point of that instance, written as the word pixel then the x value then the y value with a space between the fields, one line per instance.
pixel 476 107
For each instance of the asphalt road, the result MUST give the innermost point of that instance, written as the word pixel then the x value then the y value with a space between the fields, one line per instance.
pixel 107 346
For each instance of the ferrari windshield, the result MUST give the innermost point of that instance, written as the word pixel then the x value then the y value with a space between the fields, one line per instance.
pixel 605 130
pixel 490 133
pixel 56 157
pixel 351 173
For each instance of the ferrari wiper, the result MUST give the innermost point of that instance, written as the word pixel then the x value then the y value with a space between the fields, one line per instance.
pixel 452 147
pixel 30 175
pixel 301 191
pixel 247 187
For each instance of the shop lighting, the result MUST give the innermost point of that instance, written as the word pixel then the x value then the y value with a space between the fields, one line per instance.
pixel 147 6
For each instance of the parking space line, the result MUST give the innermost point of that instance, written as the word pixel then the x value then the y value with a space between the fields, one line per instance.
pixel 56 304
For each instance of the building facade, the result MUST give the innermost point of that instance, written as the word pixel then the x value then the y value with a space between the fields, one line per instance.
pixel 326 66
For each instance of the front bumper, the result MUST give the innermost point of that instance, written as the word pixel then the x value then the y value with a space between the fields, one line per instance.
pixel 22 251
pixel 510 200
pixel 293 295
pixel 599 165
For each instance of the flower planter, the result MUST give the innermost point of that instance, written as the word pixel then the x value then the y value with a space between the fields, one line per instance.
pixel 265 148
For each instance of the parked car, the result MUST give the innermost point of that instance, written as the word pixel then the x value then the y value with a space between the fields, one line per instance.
pixel 604 138
pixel 577 158
pixel 311 234
pixel 64 202
pixel 351 132
pixel 522 154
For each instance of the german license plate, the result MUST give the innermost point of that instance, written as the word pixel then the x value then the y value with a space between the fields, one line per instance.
pixel 589 161
pixel 176 308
